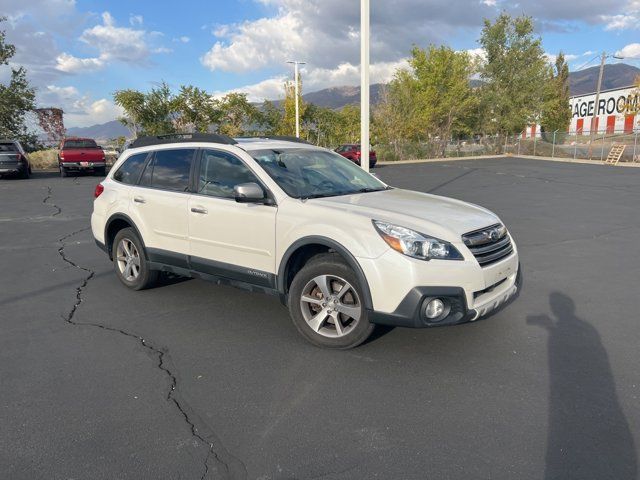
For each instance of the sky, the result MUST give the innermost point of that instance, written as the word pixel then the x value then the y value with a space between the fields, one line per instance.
pixel 79 52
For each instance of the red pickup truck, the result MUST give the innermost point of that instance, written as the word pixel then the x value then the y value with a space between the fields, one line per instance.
pixel 81 155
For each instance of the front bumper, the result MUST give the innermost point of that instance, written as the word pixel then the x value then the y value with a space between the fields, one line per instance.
pixel 410 312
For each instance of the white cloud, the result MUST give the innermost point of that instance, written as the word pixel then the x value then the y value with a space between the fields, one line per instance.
pixel 477 54
pixel 113 43
pixel 627 19
pixel 269 89
pixel 629 51
pixel 67 63
pixel 121 43
pixel 183 39
pixel 318 78
pixel 136 20
pixel 569 57
pixel 79 110
pixel 257 44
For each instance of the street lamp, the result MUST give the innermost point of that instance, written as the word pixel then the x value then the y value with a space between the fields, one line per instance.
pixel 297 90
pixel 364 84
pixel 592 131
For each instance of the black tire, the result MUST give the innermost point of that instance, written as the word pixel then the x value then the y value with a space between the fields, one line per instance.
pixel 100 171
pixel 334 267
pixel 24 174
pixel 63 171
pixel 146 277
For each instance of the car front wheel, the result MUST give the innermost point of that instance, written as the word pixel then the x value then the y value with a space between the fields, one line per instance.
pixel 326 304
pixel 131 265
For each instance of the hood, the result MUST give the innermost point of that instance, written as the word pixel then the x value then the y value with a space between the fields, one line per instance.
pixel 442 217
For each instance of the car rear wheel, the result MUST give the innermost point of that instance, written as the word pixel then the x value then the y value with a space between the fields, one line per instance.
pixel 129 260
pixel 326 304
pixel 100 171
pixel 63 171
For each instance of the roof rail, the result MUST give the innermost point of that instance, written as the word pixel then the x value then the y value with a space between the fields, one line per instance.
pixel 181 138
pixel 284 138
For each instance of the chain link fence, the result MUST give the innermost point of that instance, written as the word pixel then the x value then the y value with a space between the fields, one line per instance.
pixel 573 145
pixel 576 145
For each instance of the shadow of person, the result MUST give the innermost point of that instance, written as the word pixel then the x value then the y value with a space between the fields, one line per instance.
pixel 588 436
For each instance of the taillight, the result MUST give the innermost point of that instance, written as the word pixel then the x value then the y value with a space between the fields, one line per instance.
pixel 98 191
pixel 61 154
pixel 20 158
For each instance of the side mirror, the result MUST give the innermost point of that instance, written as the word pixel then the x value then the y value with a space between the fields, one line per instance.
pixel 249 193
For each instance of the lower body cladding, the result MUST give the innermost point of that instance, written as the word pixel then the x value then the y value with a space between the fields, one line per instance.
pixel 479 292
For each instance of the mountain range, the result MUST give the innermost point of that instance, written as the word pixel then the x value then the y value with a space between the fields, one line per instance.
pixel 585 81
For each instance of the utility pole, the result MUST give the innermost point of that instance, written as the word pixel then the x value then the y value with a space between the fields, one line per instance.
pixel 297 93
pixel 592 131
pixel 364 84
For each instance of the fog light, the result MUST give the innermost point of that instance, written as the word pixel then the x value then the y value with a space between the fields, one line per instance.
pixel 434 309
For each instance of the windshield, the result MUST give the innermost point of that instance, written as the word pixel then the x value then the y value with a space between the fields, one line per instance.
pixel 79 144
pixel 305 173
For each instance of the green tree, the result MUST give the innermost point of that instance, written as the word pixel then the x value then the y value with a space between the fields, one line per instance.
pixel 515 74
pixel 349 124
pixel 396 117
pixel 556 112
pixel 150 113
pixel 17 98
pixel 238 116
pixel 270 118
pixel 196 110
pixel 443 92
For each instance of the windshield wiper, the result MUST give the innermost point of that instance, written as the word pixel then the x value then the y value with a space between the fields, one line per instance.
pixel 369 189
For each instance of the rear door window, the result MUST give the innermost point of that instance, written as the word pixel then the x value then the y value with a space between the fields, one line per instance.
pixel 169 170
pixel 129 171
pixel 8 148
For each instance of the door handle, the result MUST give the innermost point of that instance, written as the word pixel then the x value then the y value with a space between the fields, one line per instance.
pixel 199 210
pixel 139 200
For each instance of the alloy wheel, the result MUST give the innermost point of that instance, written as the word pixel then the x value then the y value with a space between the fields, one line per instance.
pixel 331 306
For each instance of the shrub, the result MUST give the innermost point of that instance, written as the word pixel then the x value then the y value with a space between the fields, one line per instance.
pixel 42 159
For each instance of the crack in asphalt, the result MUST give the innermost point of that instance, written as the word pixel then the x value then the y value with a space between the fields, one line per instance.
pixel 229 466
pixel 46 200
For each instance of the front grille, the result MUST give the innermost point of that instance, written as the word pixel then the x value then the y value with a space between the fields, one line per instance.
pixel 489 244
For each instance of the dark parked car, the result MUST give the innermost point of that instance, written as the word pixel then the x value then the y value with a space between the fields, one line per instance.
pixel 13 159
pixel 81 155
pixel 352 152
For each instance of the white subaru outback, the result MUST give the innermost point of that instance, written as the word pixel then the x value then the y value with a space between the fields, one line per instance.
pixel 340 248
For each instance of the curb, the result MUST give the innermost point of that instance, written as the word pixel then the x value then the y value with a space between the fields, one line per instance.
pixel 445 159
pixel 577 160
pixel 508 155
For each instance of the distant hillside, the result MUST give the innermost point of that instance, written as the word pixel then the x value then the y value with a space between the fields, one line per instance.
pixel 104 131
pixel 338 97
pixel 617 75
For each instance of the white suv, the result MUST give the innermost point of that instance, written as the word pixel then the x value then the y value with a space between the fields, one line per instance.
pixel 340 248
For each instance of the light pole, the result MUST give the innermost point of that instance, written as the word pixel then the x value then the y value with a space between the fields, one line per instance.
pixel 297 93
pixel 592 131
pixel 364 84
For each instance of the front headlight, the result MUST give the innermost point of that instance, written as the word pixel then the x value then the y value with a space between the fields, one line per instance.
pixel 414 244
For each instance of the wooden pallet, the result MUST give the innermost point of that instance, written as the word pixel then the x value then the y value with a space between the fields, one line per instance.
pixel 615 154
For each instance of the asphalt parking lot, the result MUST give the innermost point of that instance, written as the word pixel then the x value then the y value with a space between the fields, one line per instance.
pixel 191 380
